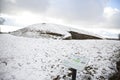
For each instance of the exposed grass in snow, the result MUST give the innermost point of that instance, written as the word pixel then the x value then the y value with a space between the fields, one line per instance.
pixel 41 59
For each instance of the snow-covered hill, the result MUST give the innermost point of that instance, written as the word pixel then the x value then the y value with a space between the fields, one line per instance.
pixel 24 58
pixel 53 31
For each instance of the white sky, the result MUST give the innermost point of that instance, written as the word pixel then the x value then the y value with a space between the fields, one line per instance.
pixel 86 14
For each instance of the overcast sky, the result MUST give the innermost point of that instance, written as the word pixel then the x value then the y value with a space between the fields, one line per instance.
pixel 80 13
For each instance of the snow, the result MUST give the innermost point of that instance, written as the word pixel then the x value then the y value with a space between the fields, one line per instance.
pixel 24 58
pixel 37 30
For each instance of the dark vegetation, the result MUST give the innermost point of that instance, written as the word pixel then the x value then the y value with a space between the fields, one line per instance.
pixel 78 36
pixel 116 76
pixel 74 35
pixel 56 34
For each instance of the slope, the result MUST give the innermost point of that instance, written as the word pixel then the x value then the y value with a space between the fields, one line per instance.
pixel 41 59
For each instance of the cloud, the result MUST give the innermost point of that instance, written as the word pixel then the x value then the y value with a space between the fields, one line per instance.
pixel 111 17
pixel 88 13
pixel 17 6
pixel 2 20
pixel 78 10
pixel 69 10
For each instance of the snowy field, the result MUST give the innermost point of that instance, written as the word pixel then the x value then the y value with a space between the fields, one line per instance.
pixel 24 58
